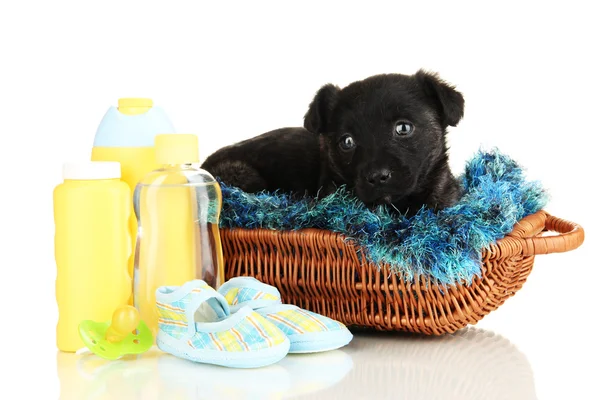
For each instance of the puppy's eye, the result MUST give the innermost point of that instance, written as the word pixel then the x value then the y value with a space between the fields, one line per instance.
pixel 347 142
pixel 404 128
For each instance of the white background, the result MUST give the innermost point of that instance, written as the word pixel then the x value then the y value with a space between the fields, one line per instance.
pixel 528 72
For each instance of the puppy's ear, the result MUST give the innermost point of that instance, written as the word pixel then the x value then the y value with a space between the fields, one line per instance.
pixel 316 119
pixel 450 103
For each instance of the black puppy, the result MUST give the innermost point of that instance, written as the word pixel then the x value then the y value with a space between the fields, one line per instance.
pixel 382 137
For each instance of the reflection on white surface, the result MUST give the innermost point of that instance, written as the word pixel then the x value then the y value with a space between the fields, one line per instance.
pixel 471 364
pixel 157 375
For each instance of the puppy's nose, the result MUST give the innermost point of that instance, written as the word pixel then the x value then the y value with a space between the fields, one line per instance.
pixel 379 177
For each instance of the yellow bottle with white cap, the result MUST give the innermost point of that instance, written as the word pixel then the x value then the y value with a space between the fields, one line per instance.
pixel 92 247
pixel 178 208
pixel 126 135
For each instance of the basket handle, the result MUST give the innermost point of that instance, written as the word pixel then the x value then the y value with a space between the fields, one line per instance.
pixel 570 237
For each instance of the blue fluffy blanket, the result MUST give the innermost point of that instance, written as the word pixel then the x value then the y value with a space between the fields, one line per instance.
pixel 446 245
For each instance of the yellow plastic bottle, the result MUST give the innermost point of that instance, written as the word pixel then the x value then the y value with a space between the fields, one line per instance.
pixel 92 247
pixel 126 135
pixel 178 208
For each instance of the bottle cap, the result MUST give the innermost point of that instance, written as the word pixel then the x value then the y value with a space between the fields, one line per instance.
pixel 92 170
pixel 134 123
pixel 176 148
pixel 134 105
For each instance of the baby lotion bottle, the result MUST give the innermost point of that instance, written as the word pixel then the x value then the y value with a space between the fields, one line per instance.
pixel 126 135
pixel 92 247
pixel 177 208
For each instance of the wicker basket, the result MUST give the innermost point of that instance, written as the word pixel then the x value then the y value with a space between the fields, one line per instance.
pixel 320 271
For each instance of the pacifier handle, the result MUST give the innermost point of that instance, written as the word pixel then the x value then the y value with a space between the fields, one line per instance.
pixel 125 320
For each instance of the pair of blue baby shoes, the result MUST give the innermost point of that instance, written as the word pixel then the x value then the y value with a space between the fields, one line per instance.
pixel 243 325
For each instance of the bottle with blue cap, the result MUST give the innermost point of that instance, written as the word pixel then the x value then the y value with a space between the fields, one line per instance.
pixel 126 135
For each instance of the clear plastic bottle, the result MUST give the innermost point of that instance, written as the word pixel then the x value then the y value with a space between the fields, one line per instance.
pixel 177 208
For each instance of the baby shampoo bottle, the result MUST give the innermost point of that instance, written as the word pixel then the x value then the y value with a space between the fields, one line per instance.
pixel 126 135
pixel 92 247
pixel 177 207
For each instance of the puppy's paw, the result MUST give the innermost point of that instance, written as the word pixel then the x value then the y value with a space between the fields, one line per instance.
pixel 238 174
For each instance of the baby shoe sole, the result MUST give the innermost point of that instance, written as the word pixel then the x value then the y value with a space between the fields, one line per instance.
pixel 319 341
pixel 247 359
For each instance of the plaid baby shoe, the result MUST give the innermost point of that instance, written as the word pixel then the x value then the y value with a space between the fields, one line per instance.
pixel 195 323
pixel 308 332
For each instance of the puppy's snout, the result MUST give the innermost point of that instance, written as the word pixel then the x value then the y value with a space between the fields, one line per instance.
pixel 379 177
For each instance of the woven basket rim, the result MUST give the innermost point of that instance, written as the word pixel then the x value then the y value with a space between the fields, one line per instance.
pixel 523 239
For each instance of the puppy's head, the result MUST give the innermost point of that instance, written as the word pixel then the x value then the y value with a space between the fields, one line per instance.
pixel 384 136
